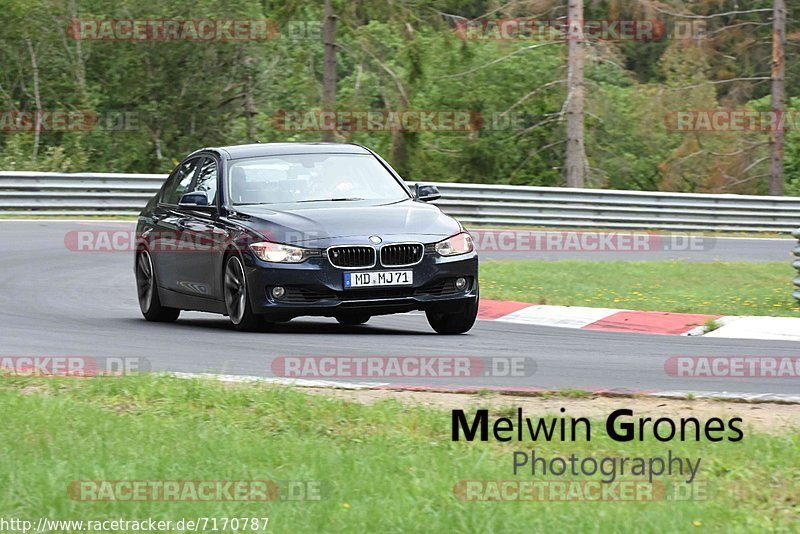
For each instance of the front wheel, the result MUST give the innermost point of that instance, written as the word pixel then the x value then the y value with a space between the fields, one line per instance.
pixel 149 302
pixel 453 323
pixel 237 301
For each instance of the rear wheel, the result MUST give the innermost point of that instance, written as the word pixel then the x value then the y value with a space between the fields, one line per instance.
pixel 237 301
pixel 147 290
pixel 352 320
pixel 453 323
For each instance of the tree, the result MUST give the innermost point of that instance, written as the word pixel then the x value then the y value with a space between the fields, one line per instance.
pixel 329 65
pixel 576 155
pixel 776 182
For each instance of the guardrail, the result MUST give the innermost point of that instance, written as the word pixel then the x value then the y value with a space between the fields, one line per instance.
pixel 55 193
pixel 498 205
pixel 796 264
pixel 600 208
pixel 32 193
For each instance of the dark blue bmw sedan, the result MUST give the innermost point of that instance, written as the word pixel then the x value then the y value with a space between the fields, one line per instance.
pixel 266 232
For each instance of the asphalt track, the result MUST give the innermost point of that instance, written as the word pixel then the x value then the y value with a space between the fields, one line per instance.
pixel 58 302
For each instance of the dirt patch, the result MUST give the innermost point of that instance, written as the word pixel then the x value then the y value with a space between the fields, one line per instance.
pixel 766 417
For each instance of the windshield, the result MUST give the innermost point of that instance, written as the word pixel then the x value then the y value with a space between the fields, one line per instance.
pixel 312 178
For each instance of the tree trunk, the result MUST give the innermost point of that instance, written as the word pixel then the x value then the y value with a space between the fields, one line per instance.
pixel 778 101
pixel 37 99
pixel 250 110
pixel 156 135
pixel 576 156
pixel 80 67
pixel 400 153
pixel 329 66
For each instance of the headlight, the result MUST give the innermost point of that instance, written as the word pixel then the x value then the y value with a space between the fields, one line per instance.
pixel 453 246
pixel 278 253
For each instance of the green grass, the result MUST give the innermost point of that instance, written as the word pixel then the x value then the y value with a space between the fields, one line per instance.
pixel 671 286
pixel 568 393
pixel 384 467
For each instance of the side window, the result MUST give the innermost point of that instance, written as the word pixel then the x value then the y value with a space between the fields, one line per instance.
pixel 179 182
pixel 168 186
pixel 207 180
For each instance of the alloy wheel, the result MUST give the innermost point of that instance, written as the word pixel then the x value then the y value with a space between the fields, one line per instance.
pixel 144 280
pixel 235 289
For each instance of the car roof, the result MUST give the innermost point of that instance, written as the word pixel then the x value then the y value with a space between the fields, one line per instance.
pixel 276 149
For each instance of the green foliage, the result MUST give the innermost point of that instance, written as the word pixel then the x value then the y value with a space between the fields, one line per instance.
pixel 792 163
pixel 67 157
pixel 394 57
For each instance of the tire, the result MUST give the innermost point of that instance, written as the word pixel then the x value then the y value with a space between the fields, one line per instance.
pixel 453 323
pixel 237 298
pixel 147 291
pixel 352 320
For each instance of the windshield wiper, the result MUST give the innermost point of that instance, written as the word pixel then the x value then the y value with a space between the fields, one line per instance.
pixel 342 199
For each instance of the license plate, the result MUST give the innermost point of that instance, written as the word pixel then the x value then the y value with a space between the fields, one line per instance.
pixel 378 278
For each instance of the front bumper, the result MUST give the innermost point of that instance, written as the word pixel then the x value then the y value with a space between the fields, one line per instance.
pixel 315 287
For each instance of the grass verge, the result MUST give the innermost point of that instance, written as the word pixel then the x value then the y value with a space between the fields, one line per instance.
pixel 383 467
pixel 732 288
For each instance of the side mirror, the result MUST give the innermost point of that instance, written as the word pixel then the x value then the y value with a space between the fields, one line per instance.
pixel 194 199
pixel 426 193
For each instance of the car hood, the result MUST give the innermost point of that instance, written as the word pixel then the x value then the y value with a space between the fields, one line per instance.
pixel 326 223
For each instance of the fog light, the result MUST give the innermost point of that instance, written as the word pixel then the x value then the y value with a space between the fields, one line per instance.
pixel 461 283
pixel 278 292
